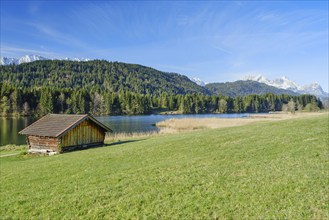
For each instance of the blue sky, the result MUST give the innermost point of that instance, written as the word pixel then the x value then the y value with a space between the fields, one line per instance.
pixel 217 41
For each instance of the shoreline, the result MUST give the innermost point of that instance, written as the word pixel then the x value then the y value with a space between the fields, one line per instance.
pixel 188 124
pixel 178 125
pixel 173 113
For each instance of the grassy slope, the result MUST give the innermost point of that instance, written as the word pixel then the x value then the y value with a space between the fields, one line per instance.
pixel 268 170
pixel 12 149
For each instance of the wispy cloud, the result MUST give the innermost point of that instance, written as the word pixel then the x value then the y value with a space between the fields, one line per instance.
pixel 93 16
pixel 200 37
pixel 222 49
pixel 238 64
pixel 58 36
pixel 273 18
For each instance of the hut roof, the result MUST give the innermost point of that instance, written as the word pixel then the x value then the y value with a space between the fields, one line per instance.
pixel 56 125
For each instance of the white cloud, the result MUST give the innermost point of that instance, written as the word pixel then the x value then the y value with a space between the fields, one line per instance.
pixel 58 36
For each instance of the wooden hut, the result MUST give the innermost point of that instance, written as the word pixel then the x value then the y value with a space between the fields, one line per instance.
pixel 64 132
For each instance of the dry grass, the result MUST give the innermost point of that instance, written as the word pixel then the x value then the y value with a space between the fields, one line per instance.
pixel 202 123
pixel 12 147
pixel 114 137
pixel 188 124
pixel 172 126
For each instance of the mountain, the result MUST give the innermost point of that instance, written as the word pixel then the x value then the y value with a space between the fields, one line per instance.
pixel 78 59
pixel 24 59
pixel 8 61
pixel 98 74
pixel 31 58
pixel 243 88
pixel 282 83
pixel 188 86
pixel 285 83
pixel 198 81
pixel 314 89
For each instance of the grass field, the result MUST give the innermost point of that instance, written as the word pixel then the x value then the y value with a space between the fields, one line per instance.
pixel 267 170
pixel 12 149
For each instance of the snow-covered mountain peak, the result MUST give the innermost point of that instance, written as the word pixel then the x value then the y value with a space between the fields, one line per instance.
pixel 261 78
pixel 258 78
pixel 314 85
pixel 30 58
pixel 77 59
pixel 8 61
pixel 199 81
pixel 315 89
pixel 285 83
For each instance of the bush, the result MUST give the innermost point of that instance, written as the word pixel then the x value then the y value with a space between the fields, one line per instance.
pixel 311 107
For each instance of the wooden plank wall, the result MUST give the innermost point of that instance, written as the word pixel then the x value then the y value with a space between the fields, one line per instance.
pixel 45 143
pixel 87 132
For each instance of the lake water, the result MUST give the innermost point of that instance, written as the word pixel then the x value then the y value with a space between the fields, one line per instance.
pixel 9 127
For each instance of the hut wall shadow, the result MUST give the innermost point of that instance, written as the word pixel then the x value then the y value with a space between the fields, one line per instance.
pixel 121 142
pixel 79 148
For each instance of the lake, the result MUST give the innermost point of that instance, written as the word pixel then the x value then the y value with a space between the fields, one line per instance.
pixel 9 127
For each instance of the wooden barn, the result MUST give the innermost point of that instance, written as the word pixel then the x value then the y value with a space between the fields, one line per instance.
pixel 64 132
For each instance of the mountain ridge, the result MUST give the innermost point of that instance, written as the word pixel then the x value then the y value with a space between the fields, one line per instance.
pixel 98 74
pixel 282 83
pixel 31 58
pixel 243 88
pixel 285 83
pixel 199 81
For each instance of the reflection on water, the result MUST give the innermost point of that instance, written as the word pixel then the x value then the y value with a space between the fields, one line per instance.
pixel 142 123
pixel 9 127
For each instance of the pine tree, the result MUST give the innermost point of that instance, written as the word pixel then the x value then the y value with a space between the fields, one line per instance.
pixel 222 106
pixel 46 102
pixel 4 106
pixel 15 100
pixel 26 109
pixel 61 101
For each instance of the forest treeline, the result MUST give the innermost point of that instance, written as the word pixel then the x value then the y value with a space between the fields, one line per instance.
pixel 245 87
pixel 16 101
pixel 113 88
pixel 98 74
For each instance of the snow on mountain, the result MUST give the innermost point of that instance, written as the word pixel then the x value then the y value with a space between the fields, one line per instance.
pixel 315 89
pixel 281 83
pixel 258 78
pixel 199 81
pixel 24 59
pixel 82 59
pixel 8 61
pixel 77 59
pixel 285 83
pixel 31 58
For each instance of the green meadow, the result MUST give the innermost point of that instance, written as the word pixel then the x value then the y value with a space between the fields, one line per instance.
pixel 268 170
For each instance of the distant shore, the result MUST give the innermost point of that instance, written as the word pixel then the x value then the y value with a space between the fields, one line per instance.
pixel 185 124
